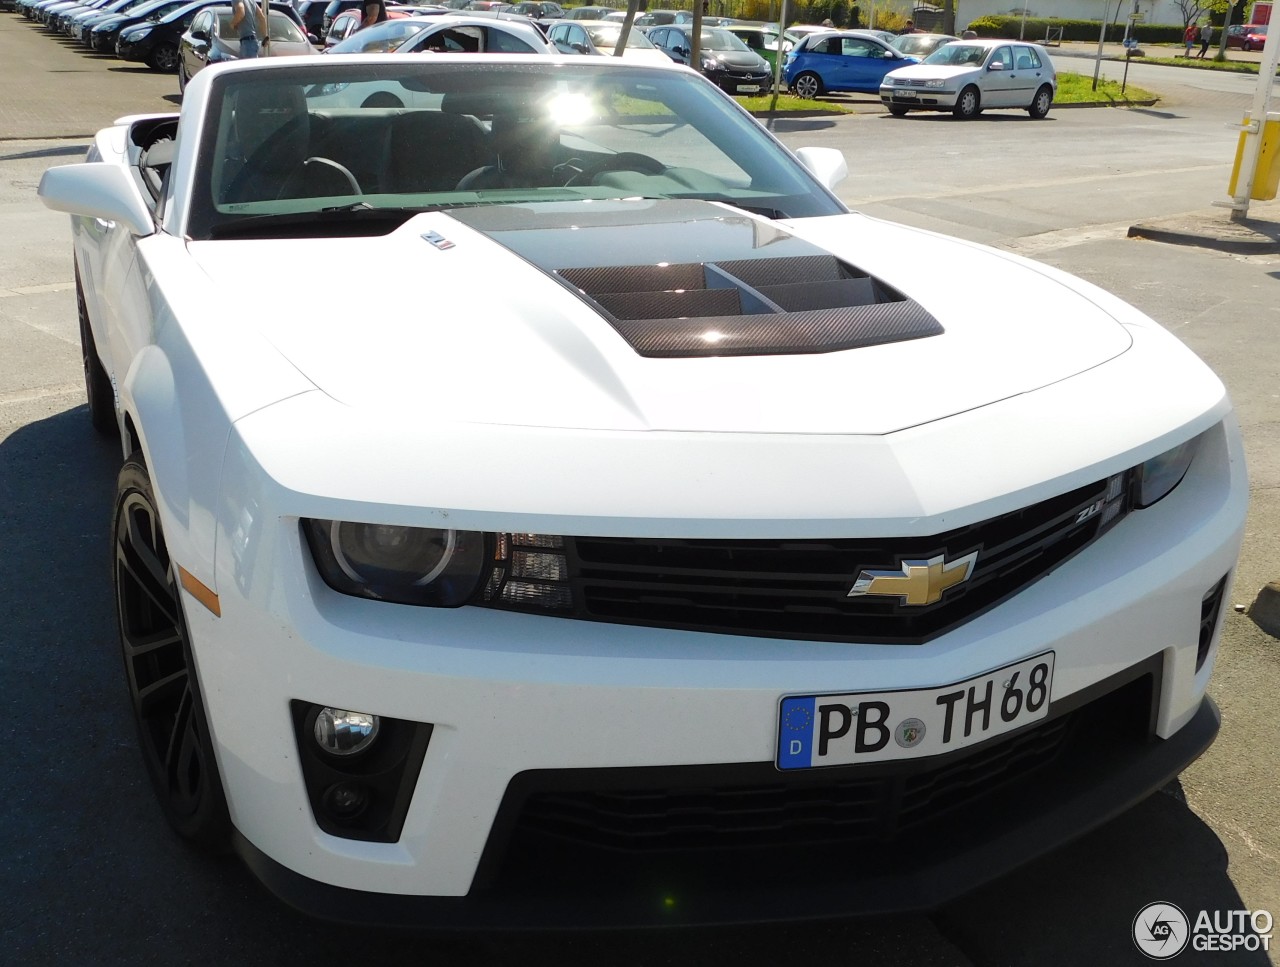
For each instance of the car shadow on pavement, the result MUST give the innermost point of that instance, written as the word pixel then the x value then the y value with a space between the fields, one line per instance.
pixel 1078 905
pixel 786 125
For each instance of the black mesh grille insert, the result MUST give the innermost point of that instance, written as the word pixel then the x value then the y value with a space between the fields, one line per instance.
pixel 800 589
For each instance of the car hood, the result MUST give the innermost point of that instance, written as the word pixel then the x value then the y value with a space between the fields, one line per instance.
pixel 925 72
pixel 583 316
pixel 737 58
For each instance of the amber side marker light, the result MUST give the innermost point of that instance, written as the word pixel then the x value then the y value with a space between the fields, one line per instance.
pixel 200 591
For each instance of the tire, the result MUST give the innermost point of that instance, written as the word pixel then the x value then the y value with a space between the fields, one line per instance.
pixel 97 385
pixel 968 104
pixel 164 692
pixel 164 59
pixel 898 111
pixel 182 77
pixel 807 85
pixel 1040 103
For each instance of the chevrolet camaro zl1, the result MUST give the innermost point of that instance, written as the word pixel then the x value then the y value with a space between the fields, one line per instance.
pixel 662 547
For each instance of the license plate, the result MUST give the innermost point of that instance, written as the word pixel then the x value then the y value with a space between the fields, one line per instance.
pixel 904 95
pixel 852 727
pixel 748 88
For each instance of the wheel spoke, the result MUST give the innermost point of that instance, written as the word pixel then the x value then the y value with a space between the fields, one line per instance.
pixel 141 583
pixel 139 647
pixel 154 697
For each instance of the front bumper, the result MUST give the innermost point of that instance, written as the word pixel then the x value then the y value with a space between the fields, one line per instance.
pixel 924 98
pixel 539 717
pixel 1103 763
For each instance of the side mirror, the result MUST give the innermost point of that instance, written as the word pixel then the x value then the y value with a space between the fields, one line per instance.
pixel 580 48
pixel 313 39
pixel 825 164
pixel 995 65
pixel 97 189
pixel 200 34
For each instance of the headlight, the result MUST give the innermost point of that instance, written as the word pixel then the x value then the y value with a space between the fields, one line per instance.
pixel 409 565
pixel 1159 475
pixel 710 63
pixel 137 33
pixel 936 82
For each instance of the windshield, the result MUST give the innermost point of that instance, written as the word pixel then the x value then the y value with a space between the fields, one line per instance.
pixel 607 37
pixel 717 39
pixel 958 55
pixel 380 38
pixel 350 142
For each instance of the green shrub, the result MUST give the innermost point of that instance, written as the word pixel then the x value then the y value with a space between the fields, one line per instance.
pixel 1085 30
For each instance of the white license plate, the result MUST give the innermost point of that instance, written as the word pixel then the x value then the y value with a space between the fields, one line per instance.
pixel 905 95
pixel 748 88
pixel 833 730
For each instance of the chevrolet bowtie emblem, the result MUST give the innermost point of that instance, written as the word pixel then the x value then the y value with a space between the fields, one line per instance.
pixel 916 582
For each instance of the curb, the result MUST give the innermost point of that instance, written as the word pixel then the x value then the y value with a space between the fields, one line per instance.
pixel 1220 239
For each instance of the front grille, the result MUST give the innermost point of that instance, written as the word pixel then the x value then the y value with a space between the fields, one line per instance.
pixel 800 589
pixel 1210 608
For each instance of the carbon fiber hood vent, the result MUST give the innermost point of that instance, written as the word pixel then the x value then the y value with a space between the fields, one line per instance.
pixel 689 278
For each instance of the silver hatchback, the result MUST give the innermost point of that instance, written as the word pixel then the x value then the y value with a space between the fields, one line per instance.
pixel 968 76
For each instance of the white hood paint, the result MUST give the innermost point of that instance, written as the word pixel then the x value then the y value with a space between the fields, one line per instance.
pixel 475 334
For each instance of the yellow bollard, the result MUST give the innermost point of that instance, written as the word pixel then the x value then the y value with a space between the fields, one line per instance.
pixel 1267 178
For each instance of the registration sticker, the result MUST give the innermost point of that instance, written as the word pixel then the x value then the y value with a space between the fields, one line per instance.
pixel 841 729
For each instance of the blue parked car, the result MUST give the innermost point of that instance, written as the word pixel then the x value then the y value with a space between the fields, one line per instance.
pixel 840 60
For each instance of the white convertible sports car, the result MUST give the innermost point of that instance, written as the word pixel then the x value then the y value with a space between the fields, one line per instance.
pixel 667 551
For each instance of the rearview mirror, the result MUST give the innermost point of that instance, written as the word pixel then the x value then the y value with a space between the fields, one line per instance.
pixel 199 34
pixel 995 65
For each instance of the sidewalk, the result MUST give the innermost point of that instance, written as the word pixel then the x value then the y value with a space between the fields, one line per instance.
pixel 1114 51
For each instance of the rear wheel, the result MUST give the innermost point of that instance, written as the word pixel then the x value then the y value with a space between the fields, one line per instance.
pixel 1040 103
pixel 968 104
pixel 807 85
pixel 182 77
pixel 167 707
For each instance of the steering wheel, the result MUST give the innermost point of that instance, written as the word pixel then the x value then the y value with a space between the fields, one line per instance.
pixel 622 161
pixel 271 152
pixel 342 169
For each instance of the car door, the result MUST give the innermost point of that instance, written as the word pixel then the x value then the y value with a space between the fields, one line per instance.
pixel 997 79
pixel 1029 72
pixel 825 58
pixel 195 51
pixel 863 63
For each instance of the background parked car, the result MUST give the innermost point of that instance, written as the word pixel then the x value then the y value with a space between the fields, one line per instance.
pixel 106 34
pixel 726 61
pixel 156 44
pixel 539 10
pixel 762 38
pixel 211 40
pixel 587 13
pixel 601 37
pixel 1247 36
pixel 451 34
pixel 842 60
pixel 920 45
pixel 968 76
pixel 79 25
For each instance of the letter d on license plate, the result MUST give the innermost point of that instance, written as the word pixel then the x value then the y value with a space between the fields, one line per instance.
pixel 833 730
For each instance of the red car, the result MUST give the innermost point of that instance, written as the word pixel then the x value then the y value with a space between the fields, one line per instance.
pixel 1247 36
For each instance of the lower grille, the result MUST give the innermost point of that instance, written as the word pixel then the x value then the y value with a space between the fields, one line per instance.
pixel 561 832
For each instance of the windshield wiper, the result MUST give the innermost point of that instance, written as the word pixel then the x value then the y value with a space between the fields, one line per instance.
pixel 358 218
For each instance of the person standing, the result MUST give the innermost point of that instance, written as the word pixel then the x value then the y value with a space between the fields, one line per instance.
pixel 1206 35
pixel 375 11
pixel 1189 39
pixel 250 25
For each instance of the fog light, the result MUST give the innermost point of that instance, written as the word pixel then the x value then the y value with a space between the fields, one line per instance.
pixel 340 732
pixel 346 800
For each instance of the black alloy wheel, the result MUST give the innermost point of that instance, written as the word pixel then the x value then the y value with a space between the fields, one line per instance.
pixel 97 385
pixel 167 708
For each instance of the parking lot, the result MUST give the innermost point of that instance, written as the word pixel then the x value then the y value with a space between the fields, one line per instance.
pixel 94 875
